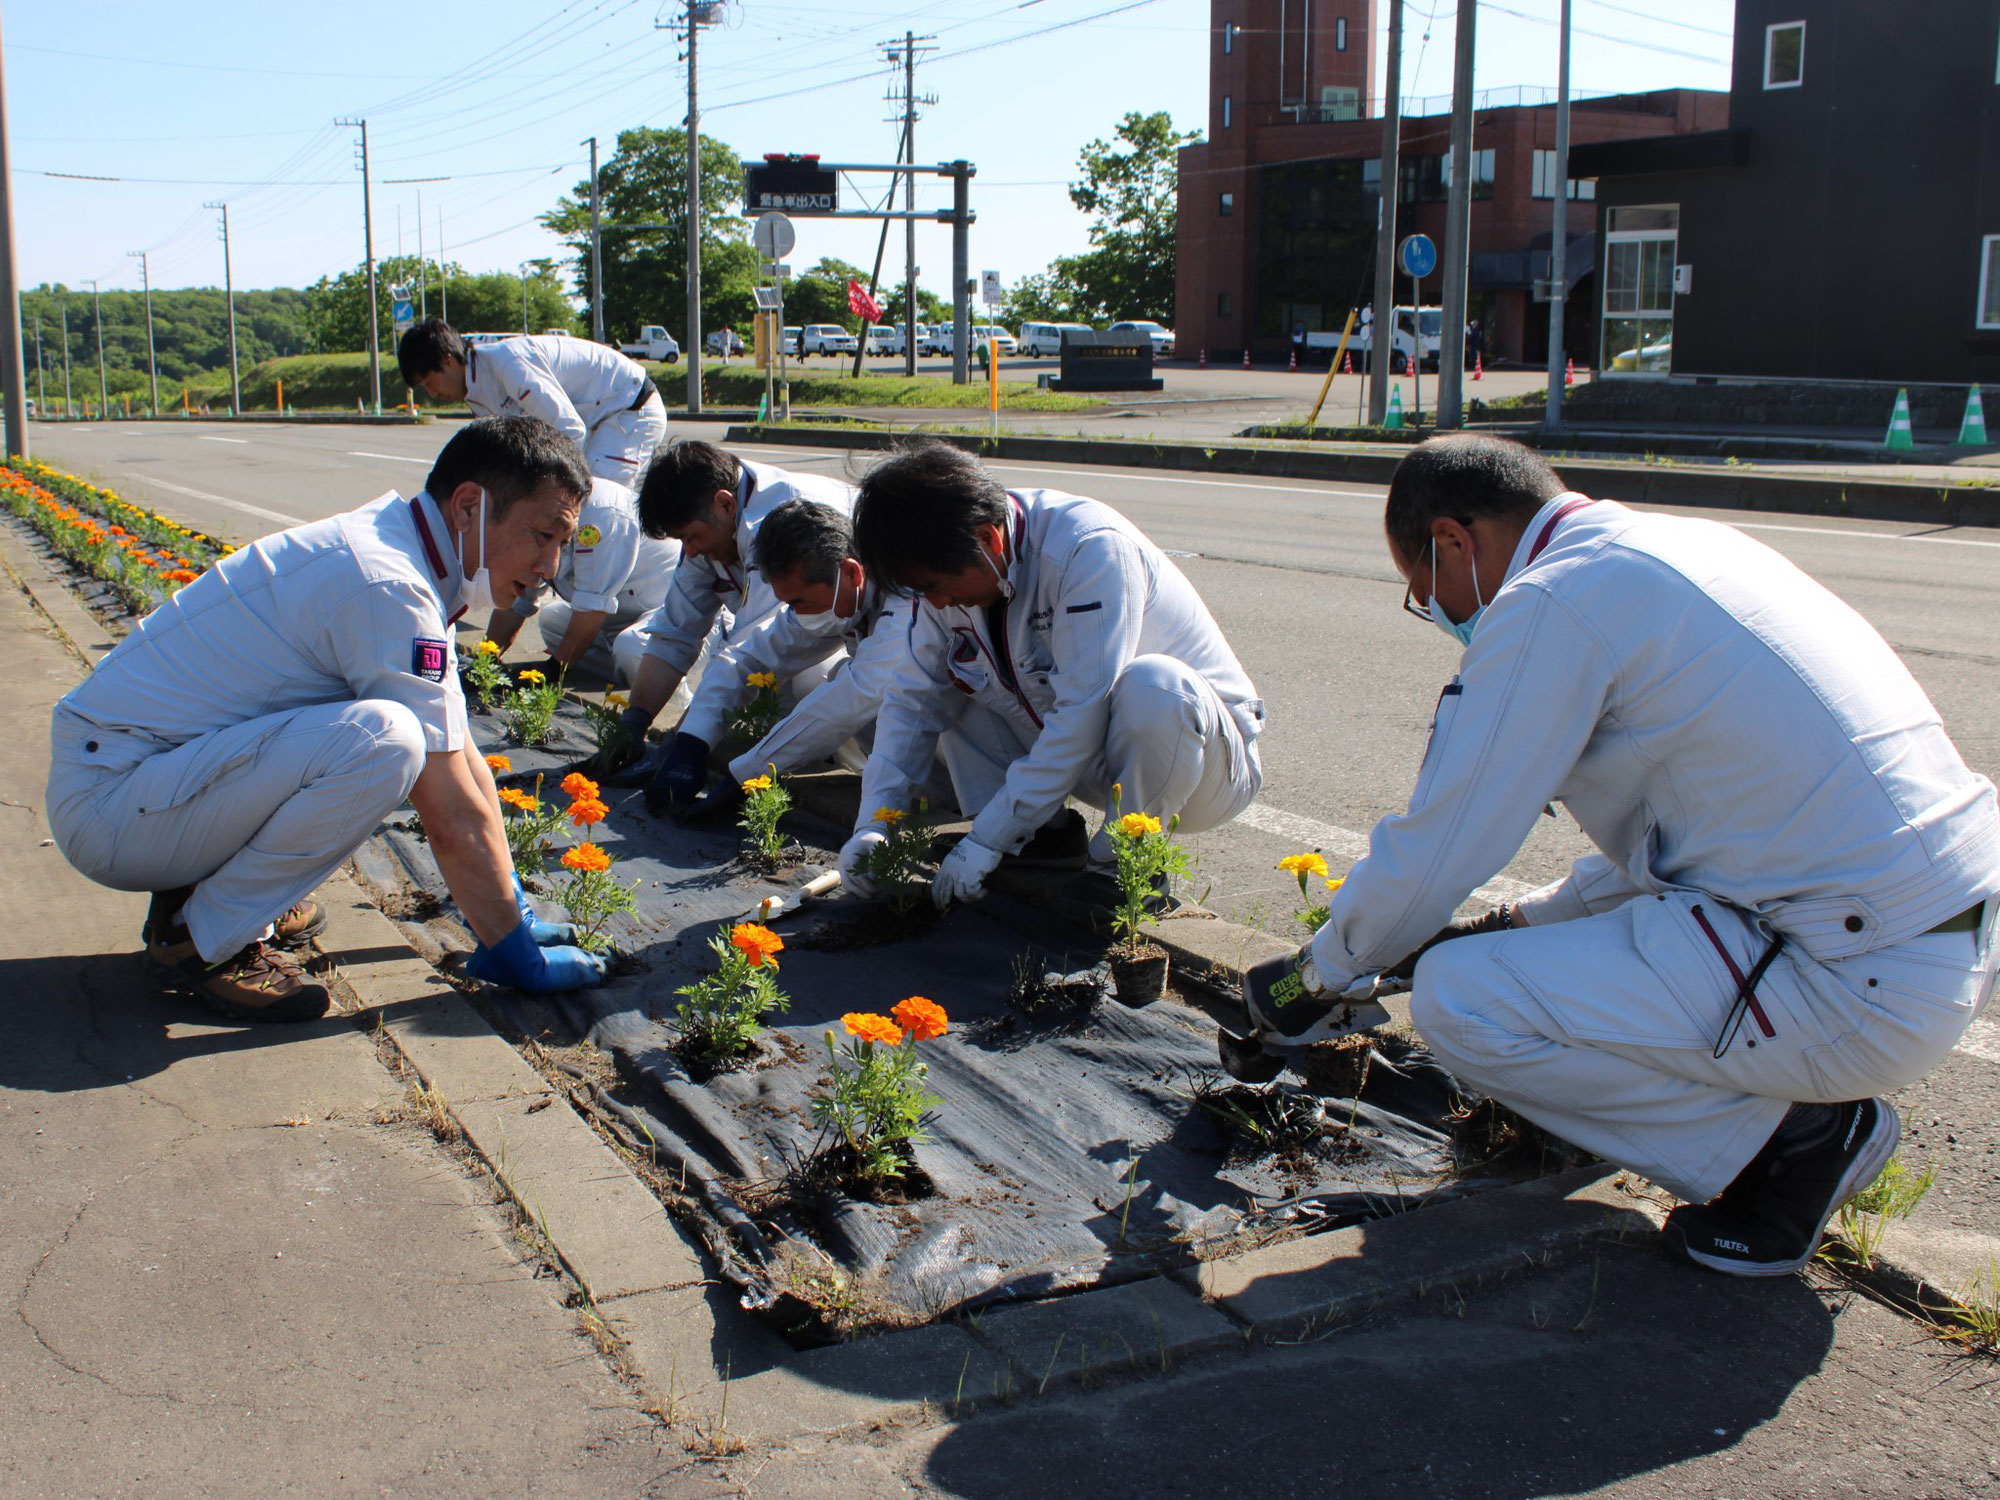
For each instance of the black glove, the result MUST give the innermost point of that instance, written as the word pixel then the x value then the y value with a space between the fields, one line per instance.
pixel 679 780
pixel 1500 919
pixel 720 801
pixel 551 670
pixel 623 749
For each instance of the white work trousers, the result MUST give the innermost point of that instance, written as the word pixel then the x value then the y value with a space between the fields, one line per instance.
pixel 1172 745
pixel 253 816
pixel 619 447
pixel 1603 1030
pixel 618 649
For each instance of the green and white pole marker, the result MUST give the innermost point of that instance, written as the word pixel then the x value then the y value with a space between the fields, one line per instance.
pixel 1972 430
pixel 1899 439
pixel 1394 420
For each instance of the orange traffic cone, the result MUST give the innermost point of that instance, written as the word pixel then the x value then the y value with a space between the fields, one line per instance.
pixel 1569 374
pixel 1347 363
pixel 1295 359
pixel 1479 366
pixel 1246 359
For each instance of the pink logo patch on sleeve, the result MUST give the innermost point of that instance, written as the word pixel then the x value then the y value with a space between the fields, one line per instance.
pixel 427 659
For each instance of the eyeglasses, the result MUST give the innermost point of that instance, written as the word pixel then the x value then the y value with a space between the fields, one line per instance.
pixel 1411 607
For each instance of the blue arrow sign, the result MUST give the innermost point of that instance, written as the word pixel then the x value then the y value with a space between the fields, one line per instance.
pixel 1417 256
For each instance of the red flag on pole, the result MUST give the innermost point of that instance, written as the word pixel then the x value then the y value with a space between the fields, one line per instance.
pixel 861 304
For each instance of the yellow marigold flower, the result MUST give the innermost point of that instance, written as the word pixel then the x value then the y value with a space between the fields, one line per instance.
pixel 580 787
pixel 1136 825
pixel 757 784
pixel 617 700
pixel 1304 864
pixel 532 676
pixel 871 1027
pixel 489 648
pixel 1336 882
pixel 499 763
pixel 923 1019
pixel 890 815
pixel 762 679
pixel 587 857
pixel 514 797
pixel 587 811
pixel 758 944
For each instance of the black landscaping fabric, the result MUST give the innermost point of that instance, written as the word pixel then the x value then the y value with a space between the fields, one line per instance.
pixel 1030 1164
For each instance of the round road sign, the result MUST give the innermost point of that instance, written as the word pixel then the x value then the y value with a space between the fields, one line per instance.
pixel 774 236
pixel 1418 256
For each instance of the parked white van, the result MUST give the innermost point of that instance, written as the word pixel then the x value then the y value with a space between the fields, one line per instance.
pixel 1046 338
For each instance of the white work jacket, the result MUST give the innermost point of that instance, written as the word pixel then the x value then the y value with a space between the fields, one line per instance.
pixel 572 384
pixel 834 712
pixel 1714 719
pixel 702 587
pixel 1091 593
pixel 609 566
pixel 356 606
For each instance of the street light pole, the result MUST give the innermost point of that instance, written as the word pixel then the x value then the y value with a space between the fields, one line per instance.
pixel 1457 235
pixel 1382 336
pixel 524 297
pixel 41 373
pixel 1559 236
pixel 67 412
pixel 368 249
pixel 13 389
pixel 229 292
pixel 596 253
pixel 694 351
pixel 152 359
pixel 103 391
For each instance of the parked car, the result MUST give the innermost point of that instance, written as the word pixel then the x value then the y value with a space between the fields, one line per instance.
pixel 1654 358
pixel 487 338
pixel 936 340
pixel 1038 339
pixel 556 333
pixel 713 343
pixel 826 338
pixel 982 332
pixel 1163 338
pixel 793 335
pixel 883 339
pixel 654 343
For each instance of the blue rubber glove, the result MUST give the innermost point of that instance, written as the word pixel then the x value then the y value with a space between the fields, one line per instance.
pixel 681 775
pixel 517 961
pixel 544 933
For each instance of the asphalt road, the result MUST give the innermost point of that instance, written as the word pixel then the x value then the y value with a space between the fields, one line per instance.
pixel 1295 571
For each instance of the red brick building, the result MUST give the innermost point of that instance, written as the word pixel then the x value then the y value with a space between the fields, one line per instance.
pixel 1278 207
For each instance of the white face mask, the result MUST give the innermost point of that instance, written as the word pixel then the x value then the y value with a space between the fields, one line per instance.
pixel 828 621
pixel 1006 588
pixel 476 592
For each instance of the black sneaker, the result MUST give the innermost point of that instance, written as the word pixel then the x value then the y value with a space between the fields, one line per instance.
pixel 1062 843
pixel 1769 1221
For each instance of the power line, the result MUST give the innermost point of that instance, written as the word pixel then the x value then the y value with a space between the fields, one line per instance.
pixel 1664 20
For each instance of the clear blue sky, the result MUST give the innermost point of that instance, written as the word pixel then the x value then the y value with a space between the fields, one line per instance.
pixel 236 100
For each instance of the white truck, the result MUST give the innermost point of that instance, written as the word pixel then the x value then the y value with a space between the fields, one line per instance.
pixel 1402 348
pixel 654 343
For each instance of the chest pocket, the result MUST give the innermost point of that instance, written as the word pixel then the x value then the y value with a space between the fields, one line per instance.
pixel 1441 722
pixel 967 663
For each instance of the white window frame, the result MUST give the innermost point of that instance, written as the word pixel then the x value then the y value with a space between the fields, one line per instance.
pixel 1225 111
pixel 1770 36
pixel 1228 37
pixel 1989 283
pixel 1340 33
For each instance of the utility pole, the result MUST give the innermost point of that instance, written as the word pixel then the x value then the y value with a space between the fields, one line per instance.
pixel 1552 409
pixel 368 247
pixel 67 409
pixel 423 270
pixel 41 373
pixel 229 291
pixel 13 389
pixel 524 296
pixel 444 275
pixel 596 253
pixel 1457 235
pixel 1382 340
pixel 697 14
pixel 103 390
pixel 152 359
pixel 909 100
pixel 961 257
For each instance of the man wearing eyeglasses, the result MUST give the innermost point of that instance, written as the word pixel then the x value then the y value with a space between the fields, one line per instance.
pixel 1791 910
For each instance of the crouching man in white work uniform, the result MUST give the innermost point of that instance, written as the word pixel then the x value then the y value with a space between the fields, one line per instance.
pixel 233 751
pixel 712 503
pixel 1068 654
pixel 585 390
pixel 833 620
pixel 610 577
pixel 1792 906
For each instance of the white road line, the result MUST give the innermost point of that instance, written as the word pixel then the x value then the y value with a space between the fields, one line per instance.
pixel 1873 536
pixel 1149 477
pixel 1344 846
pixel 202 437
pixel 394 458
pixel 243 505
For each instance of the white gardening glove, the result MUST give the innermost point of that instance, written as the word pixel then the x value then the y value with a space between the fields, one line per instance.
pixel 853 862
pixel 962 876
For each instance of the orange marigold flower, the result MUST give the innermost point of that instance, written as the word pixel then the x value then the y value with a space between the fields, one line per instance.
pixel 515 797
pixel 181 575
pixel 587 857
pixel 580 787
pixel 871 1027
pixel 758 944
pixel 587 811
pixel 923 1019
pixel 499 763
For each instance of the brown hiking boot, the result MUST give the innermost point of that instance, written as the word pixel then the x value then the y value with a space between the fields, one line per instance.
pixel 298 926
pixel 259 983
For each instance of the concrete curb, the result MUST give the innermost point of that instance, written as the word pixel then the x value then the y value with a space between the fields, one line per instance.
pixel 1708 487
pixel 80 630
pixel 267 418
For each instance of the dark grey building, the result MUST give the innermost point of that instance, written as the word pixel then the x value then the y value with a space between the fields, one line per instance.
pixel 1846 225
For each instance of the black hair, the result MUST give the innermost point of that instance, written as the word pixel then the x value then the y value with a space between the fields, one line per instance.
pixel 920 511
pixel 805 538
pixel 1464 476
pixel 425 346
pixel 509 457
pixel 680 484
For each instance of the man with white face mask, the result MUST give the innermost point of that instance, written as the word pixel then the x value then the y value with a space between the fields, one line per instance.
pixel 1792 909
pixel 233 751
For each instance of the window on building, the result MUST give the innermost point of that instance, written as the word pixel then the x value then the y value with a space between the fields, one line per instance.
pixel 1339 103
pixel 1785 55
pixel 1222 304
pixel 1989 283
pixel 1482 172
pixel 1225 111
pixel 1340 34
pixel 1228 37
pixel 1544 179
pixel 1226 205
pixel 1420 179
